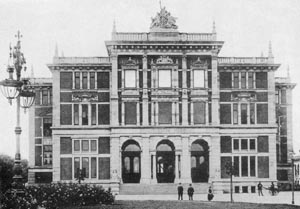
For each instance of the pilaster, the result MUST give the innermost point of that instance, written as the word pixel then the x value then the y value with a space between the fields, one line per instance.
pixel 146 161
pixel 114 90
pixel 271 98
pixel 185 159
pixel 215 90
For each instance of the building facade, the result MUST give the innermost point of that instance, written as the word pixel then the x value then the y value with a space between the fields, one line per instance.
pixel 162 108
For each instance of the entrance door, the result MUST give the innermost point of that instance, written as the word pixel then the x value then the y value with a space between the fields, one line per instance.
pixel 131 166
pixel 165 162
pixel 199 161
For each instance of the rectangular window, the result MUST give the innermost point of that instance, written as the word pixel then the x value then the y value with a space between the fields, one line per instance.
pixel 130 113
pixel 37 97
pixel 94 116
pixel 225 80
pixel 104 168
pixel 130 78
pixel 225 161
pixel 283 96
pixel 66 80
pixel 261 80
pixel 84 80
pixel 92 80
pixel 225 96
pixel 76 167
pixel 252 113
pixel 236 144
pixel 66 114
pixel 236 80
pixel 85 167
pixel 38 156
pixel 244 111
pixel 85 114
pixel 45 97
pixel 85 145
pixel 47 154
pixel 263 144
pixel 180 79
pixel 199 79
pixel 226 144
pixel 103 97
pixel 209 79
pixel 262 96
pixel 65 97
pixel 93 167
pixel 250 80
pixel 76 145
pixel 103 80
pixel 244 165
pixel 263 166
pixel 141 79
pixel 93 145
pixel 76 114
pixel 262 113
pixel 225 113
pixel 188 79
pixel 236 163
pixel 252 166
pixel 244 144
pixel 252 144
pixel 209 112
pixel 103 114
pixel 149 79
pixel 165 113
pixel 47 123
pixel 235 114
pixel 164 79
pixel 104 145
pixel 77 80
pixel 199 113
pixel 244 189
pixel 65 145
pixel 243 80
pixel 66 168
pixel 38 125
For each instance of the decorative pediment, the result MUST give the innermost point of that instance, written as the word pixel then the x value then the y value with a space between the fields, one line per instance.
pixel 199 64
pixel 243 96
pixel 130 62
pixel 84 96
pixel 163 19
pixel 163 60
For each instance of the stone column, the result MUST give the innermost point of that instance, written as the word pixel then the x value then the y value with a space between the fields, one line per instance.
pixel 206 113
pixel 154 179
pixel 184 93
pixel 123 113
pixel 114 91
pixel 145 93
pixel 146 161
pixel 192 113
pixel 173 114
pixel 215 90
pixel 138 113
pixel 156 113
pixel 214 159
pixel 177 179
pixel 186 159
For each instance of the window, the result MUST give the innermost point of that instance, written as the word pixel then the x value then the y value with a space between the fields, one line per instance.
pixel 225 113
pixel 104 145
pixel 93 145
pixel 84 80
pixel 225 80
pixel 65 145
pixel 225 144
pixel 263 144
pixel 85 167
pixel 66 114
pixel 283 96
pixel 94 116
pixel 250 80
pixel 130 78
pixel 262 113
pixel 244 111
pixel 199 113
pixel 244 165
pixel 45 97
pixel 47 123
pixel 130 113
pixel 263 166
pixel 136 165
pixel 85 145
pixel 76 145
pixel 235 114
pixel 236 163
pixel 243 80
pixel 85 114
pixel 103 80
pixel 104 168
pixel 244 144
pixel 236 144
pixel 236 80
pixel 93 167
pixel 92 80
pixel 77 80
pixel 165 113
pixel 38 155
pixel 245 189
pixel 261 80
pixel 164 78
pixel 76 166
pixel 199 79
pixel 252 144
pixel 66 80
pixel 252 113
pixel 47 154
pixel 103 114
pixel 76 114
pixel 66 168
pixel 252 166
pixel 225 161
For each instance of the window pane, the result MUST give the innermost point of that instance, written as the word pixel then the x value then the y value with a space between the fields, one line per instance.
pixel 104 145
pixel 209 79
pixel 225 96
pixel 235 114
pixel 263 166
pixel 38 156
pixel 250 80
pixel 225 113
pixel 193 162
pixel 65 97
pixel 236 163
pixel 263 144
pixel 103 97
pixel 199 113
pixel 252 113
pixel 252 144
pixel 262 113
pixel 164 78
pixel 45 97
pixel 103 80
pixel 93 167
pixel 103 114
pixel 199 78
pixel 84 80
pixel 236 144
pixel 85 145
pixel 76 166
pixel 94 118
pixel 66 114
pixel 85 167
pixel 77 80
pixel 66 80
pixel 92 80
pixel 66 168
pixel 243 80
pixel 226 144
pixel 236 80
pixel 180 79
pixel 136 165
pixel 252 166
pixel 65 145
pixel 85 114
pixel 165 113
pixel 244 144
pixel 225 80
pixel 130 78
pixel 244 165
pixel 283 96
pixel 126 165
pixel 104 168
pixel 93 145
pixel 38 125
pixel 244 111
pixel 225 161
pixel 261 80
pixel 76 114
pixel 262 96
pixel 76 145
pixel 130 113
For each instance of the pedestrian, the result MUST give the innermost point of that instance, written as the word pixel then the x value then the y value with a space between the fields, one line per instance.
pixel 259 188
pixel 210 195
pixel 180 191
pixel 272 188
pixel 190 192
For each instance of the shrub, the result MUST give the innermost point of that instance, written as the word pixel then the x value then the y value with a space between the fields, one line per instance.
pixel 54 196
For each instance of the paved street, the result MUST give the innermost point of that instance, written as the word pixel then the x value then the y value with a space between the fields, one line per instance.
pixel 282 197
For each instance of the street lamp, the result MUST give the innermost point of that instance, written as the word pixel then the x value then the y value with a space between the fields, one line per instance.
pixel 18 89
pixel 293 177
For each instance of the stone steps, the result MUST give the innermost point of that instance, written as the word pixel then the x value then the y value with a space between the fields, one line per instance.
pixel 162 188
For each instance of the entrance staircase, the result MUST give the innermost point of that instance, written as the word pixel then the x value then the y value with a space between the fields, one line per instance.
pixel 160 188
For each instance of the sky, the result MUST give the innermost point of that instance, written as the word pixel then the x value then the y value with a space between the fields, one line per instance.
pixel 79 28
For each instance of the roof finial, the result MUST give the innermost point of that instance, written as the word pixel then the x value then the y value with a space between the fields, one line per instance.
pixel 214 27
pixel 56 51
pixel 270 49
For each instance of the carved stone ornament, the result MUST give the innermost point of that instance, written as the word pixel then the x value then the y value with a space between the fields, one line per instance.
pixel 199 64
pixel 84 96
pixel 243 96
pixel 163 19
pixel 130 62
pixel 163 60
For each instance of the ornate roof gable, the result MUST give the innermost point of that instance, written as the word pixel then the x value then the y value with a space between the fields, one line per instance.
pixel 163 19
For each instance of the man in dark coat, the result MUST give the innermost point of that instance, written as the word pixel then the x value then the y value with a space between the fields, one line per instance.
pixel 190 192
pixel 180 191
pixel 259 188
pixel 210 194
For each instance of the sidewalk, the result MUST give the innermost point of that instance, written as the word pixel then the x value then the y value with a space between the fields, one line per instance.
pixel 281 198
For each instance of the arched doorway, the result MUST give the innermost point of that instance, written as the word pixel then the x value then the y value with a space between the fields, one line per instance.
pixel 165 162
pixel 131 162
pixel 199 161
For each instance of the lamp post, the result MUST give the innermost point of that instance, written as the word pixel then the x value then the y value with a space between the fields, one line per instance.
pixel 17 89
pixel 293 177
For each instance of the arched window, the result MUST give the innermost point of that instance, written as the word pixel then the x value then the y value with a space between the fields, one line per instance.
pixel 126 164
pixel 136 165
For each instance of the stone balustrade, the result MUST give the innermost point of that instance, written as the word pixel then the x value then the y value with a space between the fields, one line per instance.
pixel 80 60
pixel 243 60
